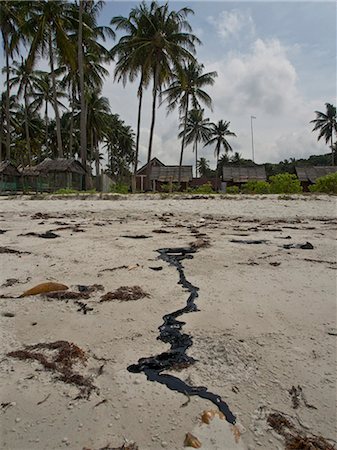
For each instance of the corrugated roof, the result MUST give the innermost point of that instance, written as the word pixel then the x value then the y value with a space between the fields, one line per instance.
pixel 60 165
pixel 311 173
pixel 238 174
pixel 171 173
pixel 7 168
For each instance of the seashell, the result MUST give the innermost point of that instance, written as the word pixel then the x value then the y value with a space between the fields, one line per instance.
pixel 191 441
pixel 43 288
pixel 209 415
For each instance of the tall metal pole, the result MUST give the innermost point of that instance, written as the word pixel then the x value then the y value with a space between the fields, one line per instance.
pixel 251 127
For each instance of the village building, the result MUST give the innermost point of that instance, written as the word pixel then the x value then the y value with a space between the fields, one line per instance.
pixel 9 177
pixel 238 175
pixel 61 173
pixel 309 174
pixel 168 175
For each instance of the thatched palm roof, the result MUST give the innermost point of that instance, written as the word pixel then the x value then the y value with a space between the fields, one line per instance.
pixel 171 173
pixel 7 168
pixel 311 173
pixel 244 174
pixel 60 165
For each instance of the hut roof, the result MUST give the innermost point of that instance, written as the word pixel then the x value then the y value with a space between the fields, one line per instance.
pixel 311 173
pixel 243 174
pixel 7 168
pixel 171 173
pixel 154 162
pixel 60 165
pixel 29 171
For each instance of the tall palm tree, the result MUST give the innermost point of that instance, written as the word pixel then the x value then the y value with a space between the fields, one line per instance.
pixel 219 134
pixel 23 78
pixel 129 66
pixel 196 129
pixel 187 87
pixel 49 22
pixel 10 20
pixel 164 41
pixel 326 124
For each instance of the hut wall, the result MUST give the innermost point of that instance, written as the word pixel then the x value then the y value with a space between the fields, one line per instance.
pixel 9 183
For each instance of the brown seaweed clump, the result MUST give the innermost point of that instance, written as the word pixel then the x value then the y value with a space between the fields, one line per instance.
pixel 125 294
pixel 125 446
pixel 59 357
pixel 296 439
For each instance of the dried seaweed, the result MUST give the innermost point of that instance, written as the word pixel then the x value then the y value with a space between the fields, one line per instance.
pixel 125 293
pixel 64 355
pixel 12 251
pixel 200 243
pixel 296 439
pixel 249 241
pixel 306 246
pixel 67 295
pixel 125 446
pixel 297 394
pixel 47 235
pixel 136 236
pixel 90 288
pixel 162 231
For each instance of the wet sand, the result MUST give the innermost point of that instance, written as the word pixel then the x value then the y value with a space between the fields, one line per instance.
pixel 266 319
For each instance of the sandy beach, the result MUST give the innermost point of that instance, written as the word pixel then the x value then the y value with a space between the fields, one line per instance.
pixel 264 333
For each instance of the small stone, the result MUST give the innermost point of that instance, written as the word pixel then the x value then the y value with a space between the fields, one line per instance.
pixel 117 416
pixel 17 420
pixel 65 439
pixel 164 444
pixel 110 425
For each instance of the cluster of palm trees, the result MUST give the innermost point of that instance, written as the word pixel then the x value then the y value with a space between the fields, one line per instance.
pixel 156 48
pixel 67 36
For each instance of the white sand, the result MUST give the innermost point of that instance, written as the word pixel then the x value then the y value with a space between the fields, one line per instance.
pixel 260 330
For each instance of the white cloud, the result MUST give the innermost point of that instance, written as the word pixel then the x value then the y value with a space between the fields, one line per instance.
pixel 233 24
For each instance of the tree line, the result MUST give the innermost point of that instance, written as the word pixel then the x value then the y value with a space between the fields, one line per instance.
pixel 156 48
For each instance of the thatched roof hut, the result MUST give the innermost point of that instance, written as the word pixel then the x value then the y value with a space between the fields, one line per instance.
pixel 63 165
pixel 236 175
pixel 311 173
pixel 61 173
pixel 9 177
pixel 170 174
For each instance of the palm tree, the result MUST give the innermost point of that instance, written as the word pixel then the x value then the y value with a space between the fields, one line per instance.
pixel 24 79
pixel 49 22
pixel 10 20
pixel 129 66
pixel 196 129
pixel 218 136
pixel 203 166
pixel 164 40
pixel 187 87
pixel 326 123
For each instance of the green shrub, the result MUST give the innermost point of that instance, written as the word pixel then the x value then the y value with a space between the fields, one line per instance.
pixel 65 191
pixel 256 187
pixel 204 189
pixel 119 188
pixel 167 188
pixel 285 183
pixel 326 184
pixel 232 190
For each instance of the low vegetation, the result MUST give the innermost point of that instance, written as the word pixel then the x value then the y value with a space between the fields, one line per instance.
pixel 326 184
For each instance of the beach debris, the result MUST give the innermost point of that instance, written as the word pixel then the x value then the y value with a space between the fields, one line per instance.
pixel 44 400
pixel 136 236
pixel 12 251
pixel 297 394
pixel 7 314
pixel 59 357
pixel 208 415
pixel 156 268
pixel 105 400
pixel 46 235
pixel 191 441
pixel 200 243
pixel 162 231
pixel 66 295
pixel 130 267
pixel 294 437
pixel 125 293
pixel 44 216
pixel 11 281
pixel 332 332
pixel 275 263
pixel 3 231
pixel 83 307
pixel 90 288
pixel 125 446
pixel 249 241
pixel 306 246
pixel 43 288
pixel 284 237
pixel 6 405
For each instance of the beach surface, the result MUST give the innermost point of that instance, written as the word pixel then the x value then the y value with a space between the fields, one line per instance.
pixel 264 333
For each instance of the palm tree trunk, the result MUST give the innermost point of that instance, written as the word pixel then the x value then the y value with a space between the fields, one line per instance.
pixel 332 152
pixel 196 158
pixel 27 128
pixel 46 124
pixel 154 101
pixel 57 116
pixel 83 135
pixel 1 133
pixel 183 142
pixel 140 95
pixel 71 128
pixel 8 135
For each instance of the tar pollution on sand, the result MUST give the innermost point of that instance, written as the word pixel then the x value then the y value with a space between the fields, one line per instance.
pixel 170 332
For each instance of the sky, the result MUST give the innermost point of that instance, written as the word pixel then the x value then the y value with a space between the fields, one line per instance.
pixel 275 61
